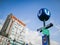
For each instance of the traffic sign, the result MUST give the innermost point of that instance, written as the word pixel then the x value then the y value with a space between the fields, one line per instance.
pixel 45 31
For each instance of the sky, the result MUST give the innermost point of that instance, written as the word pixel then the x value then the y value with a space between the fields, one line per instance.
pixel 26 10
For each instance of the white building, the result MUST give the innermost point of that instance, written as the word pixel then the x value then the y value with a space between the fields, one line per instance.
pixel 13 28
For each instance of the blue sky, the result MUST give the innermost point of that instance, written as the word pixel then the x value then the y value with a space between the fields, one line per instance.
pixel 26 10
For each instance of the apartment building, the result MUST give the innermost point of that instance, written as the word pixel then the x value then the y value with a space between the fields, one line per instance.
pixel 13 28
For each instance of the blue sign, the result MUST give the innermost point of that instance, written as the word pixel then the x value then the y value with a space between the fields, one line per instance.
pixel 44 14
pixel 44 40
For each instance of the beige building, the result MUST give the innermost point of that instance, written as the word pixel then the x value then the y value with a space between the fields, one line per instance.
pixel 7 41
pixel 13 28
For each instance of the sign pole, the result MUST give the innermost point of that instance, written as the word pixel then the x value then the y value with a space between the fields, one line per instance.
pixel 43 15
pixel 47 40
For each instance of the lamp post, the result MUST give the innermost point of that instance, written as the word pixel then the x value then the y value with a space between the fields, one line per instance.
pixel 43 15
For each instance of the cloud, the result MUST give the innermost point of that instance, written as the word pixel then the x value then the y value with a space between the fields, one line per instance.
pixel 34 38
pixel 54 43
pixel 27 21
pixel 57 26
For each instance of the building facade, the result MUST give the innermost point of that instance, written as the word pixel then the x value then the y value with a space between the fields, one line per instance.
pixel 13 28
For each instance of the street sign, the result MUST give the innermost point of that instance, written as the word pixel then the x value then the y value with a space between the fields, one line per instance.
pixel 44 40
pixel 45 31
pixel 43 15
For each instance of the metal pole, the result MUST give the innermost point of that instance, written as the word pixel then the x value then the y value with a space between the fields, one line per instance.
pixel 48 39
pixel 44 23
pixel 46 35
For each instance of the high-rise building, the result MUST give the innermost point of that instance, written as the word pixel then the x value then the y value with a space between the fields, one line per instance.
pixel 13 28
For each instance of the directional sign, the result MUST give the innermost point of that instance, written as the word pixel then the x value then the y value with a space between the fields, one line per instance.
pixel 45 31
